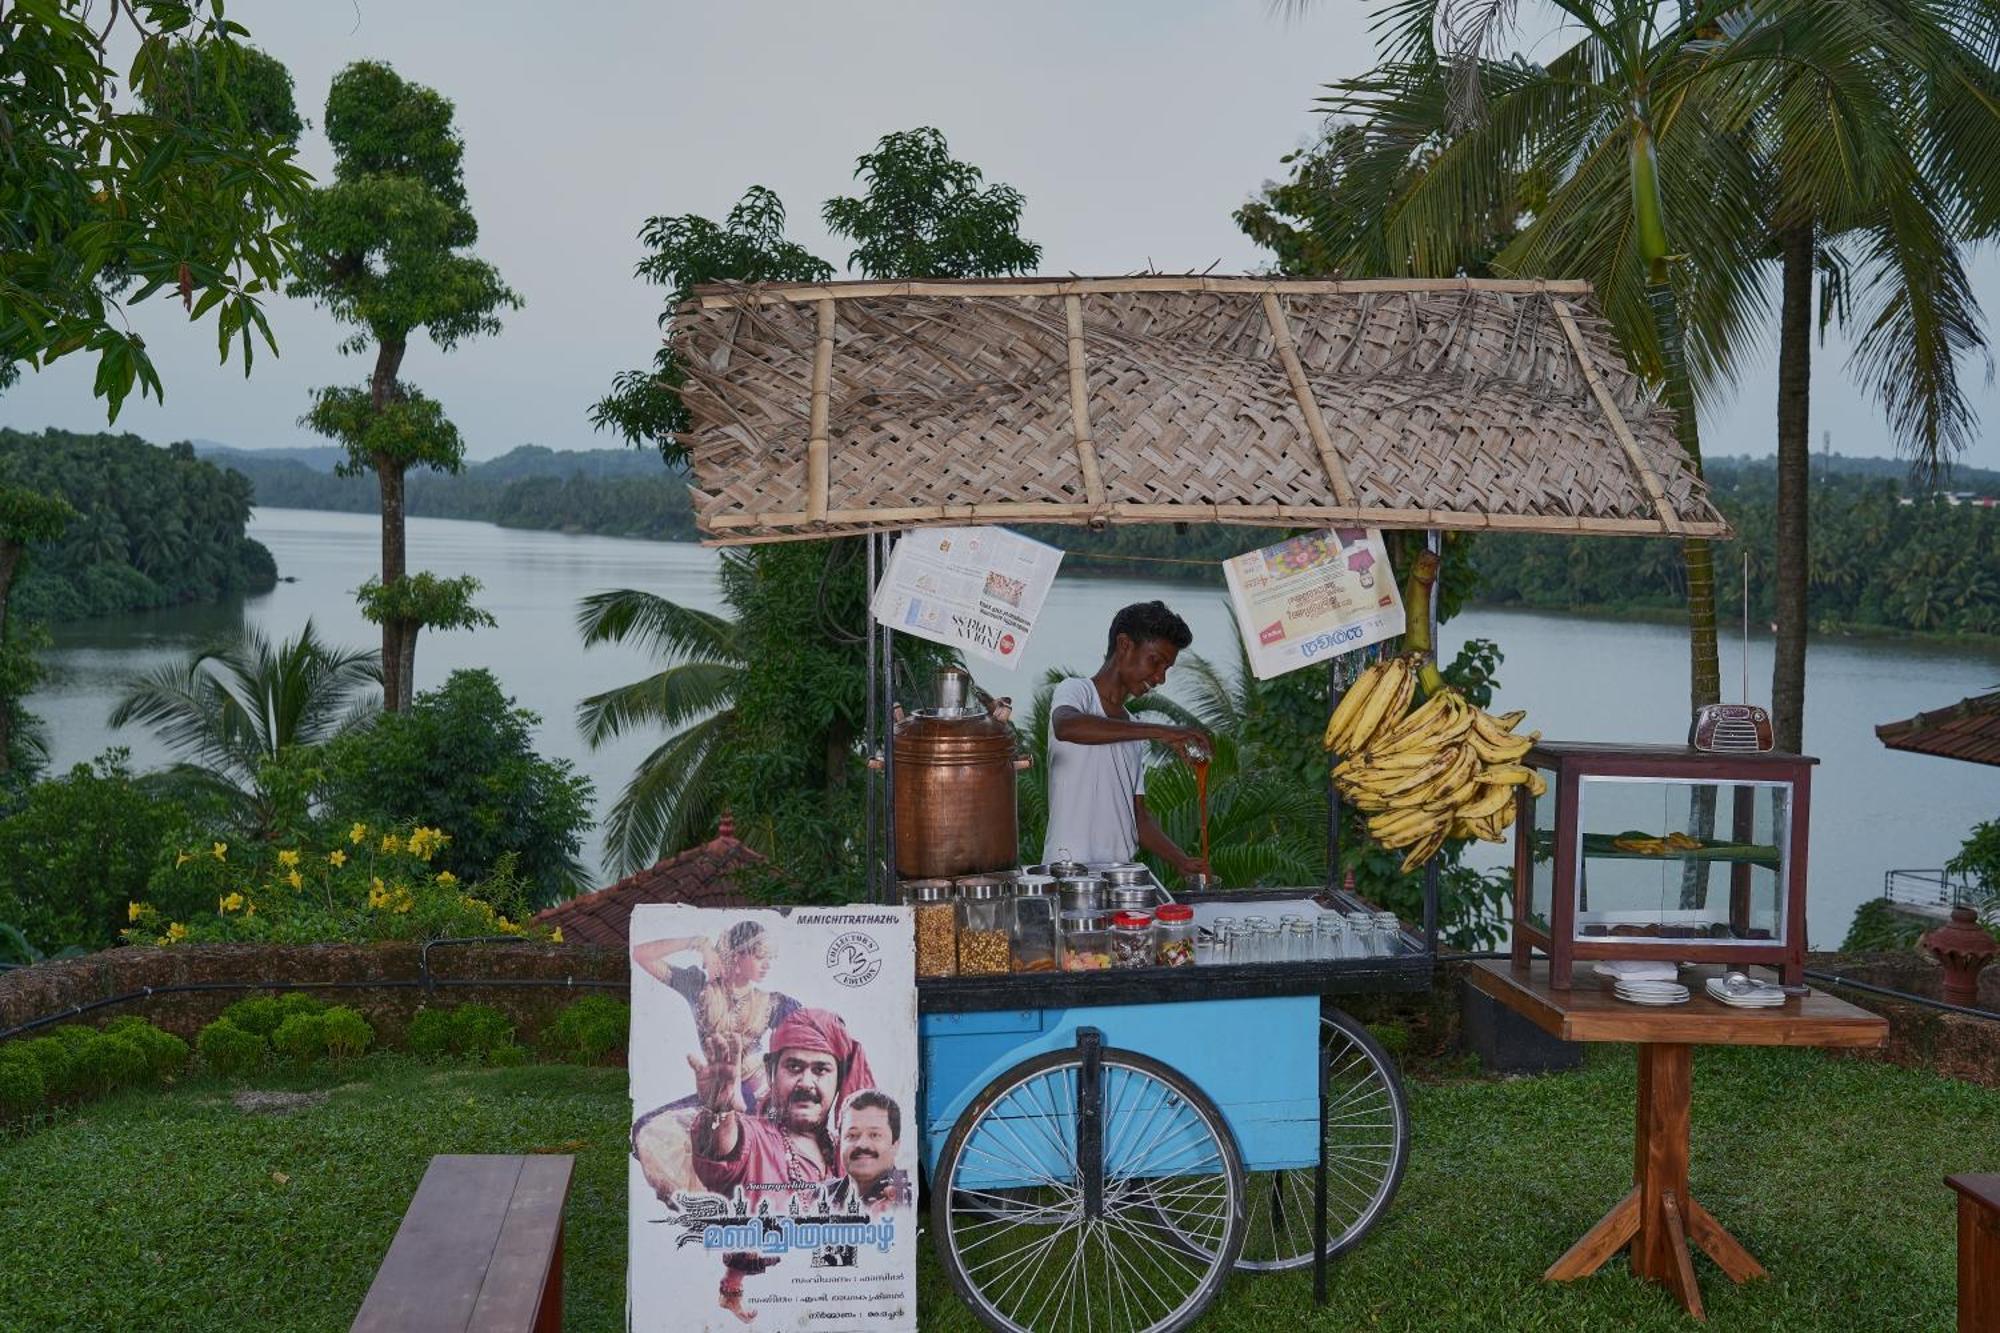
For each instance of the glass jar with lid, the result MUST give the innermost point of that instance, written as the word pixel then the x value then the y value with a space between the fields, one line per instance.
pixel 937 927
pixel 1132 939
pixel 1032 938
pixel 1388 934
pixel 1086 941
pixel 1173 936
pixel 983 948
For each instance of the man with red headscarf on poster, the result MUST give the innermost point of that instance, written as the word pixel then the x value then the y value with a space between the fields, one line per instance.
pixel 784 1153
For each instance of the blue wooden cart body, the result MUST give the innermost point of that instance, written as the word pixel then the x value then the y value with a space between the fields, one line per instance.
pixel 1255 1058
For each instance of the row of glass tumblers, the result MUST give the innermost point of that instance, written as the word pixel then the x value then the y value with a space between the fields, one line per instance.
pixel 1297 938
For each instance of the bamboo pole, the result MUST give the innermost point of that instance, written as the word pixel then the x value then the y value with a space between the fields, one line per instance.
pixel 711 295
pixel 1281 333
pixel 1654 490
pixel 1257 515
pixel 816 448
pixel 1079 404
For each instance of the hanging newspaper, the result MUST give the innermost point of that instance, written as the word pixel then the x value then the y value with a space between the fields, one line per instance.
pixel 1313 597
pixel 977 589
pixel 774 1131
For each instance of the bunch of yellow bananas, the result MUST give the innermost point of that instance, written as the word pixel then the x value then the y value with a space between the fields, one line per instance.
pixel 1446 770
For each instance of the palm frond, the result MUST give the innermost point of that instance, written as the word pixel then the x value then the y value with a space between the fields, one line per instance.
pixel 671 698
pixel 621 615
pixel 672 799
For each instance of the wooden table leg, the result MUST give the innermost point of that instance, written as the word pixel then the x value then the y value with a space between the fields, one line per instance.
pixel 1658 1218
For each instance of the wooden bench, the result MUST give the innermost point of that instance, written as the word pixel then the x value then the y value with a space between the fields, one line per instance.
pixel 1978 1252
pixel 479 1249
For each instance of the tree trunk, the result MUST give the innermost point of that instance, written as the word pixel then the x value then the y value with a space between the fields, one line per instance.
pixel 1794 555
pixel 382 391
pixel 1704 669
pixel 10 561
pixel 406 666
pixel 390 475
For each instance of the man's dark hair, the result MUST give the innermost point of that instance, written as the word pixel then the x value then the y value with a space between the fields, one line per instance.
pixel 1148 620
pixel 861 1101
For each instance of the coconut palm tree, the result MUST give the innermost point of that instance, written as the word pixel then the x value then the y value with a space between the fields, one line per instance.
pixel 228 711
pixel 675 794
pixel 1670 158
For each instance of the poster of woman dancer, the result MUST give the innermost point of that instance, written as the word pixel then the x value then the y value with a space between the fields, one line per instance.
pixel 774 1133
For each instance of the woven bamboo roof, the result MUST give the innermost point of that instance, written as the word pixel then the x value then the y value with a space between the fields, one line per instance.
pixel 827 408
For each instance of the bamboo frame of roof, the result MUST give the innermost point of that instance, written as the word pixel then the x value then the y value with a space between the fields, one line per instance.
pixel 824 409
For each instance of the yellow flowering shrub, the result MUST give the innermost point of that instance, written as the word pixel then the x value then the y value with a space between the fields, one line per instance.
pixel 376 884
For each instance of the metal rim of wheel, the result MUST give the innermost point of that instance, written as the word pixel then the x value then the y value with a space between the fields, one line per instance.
pixel 1007 1210
pixel 1367 1147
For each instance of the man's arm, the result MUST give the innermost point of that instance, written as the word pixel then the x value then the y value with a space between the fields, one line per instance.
pixel 1154 839
pixel 1077 727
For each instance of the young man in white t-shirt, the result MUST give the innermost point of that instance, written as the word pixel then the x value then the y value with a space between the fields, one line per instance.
pixel 1097 754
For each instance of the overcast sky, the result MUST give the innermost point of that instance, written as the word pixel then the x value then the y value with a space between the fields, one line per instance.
pixel 1134 127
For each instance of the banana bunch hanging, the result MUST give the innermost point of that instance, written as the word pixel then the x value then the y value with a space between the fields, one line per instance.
pixel 1444 770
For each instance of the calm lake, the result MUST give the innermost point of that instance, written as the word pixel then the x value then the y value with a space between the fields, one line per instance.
pixel 1580 678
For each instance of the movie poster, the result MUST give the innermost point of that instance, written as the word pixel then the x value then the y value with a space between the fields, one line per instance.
pixel 1313 597
pixel 774 1119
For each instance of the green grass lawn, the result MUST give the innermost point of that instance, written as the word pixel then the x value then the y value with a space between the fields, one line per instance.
pixel 177 1210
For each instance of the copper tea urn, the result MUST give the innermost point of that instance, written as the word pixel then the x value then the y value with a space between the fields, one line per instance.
pixel 955 767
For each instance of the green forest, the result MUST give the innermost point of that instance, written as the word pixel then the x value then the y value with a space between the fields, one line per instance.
pixel 611 492
pixel 154 527
pixel 1878 564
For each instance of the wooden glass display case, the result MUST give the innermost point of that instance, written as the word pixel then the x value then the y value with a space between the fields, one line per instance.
pixel 1662 852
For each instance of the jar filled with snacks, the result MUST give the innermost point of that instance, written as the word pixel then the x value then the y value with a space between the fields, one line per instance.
pixel 1173 936
pixel 983 948
pixel 937 927
pixel 1086 941
pixel 1132 939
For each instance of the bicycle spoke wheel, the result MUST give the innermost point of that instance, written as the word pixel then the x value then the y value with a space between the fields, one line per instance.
pixel 1008 1211
pixel 1367 1145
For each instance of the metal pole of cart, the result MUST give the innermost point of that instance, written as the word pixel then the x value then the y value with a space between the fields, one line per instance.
pixel 868 746
pixel 1434 542
pixel 888 703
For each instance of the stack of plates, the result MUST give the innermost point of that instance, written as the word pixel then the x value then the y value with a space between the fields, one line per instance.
pixel 1755 995
pixel 1651 992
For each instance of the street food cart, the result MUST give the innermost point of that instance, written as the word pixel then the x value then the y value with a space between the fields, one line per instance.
pixel 1102 1148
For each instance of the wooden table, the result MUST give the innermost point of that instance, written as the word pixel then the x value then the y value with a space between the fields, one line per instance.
pixel 1659 1216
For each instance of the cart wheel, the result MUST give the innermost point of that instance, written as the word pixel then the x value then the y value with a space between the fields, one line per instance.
pixel 1367 1146
pixel 1007 1207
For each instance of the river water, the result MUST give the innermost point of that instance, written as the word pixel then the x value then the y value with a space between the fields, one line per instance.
pixel 1580 678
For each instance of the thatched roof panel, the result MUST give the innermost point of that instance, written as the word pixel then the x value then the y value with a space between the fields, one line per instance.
pixel 1454 405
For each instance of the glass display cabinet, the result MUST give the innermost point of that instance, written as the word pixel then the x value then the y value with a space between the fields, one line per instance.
pixel 1662 852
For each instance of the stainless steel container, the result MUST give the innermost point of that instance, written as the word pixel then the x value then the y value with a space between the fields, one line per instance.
pixel 1123 872
pixel 1081 893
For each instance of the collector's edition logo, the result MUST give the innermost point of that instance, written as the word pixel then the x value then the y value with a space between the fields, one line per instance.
pixel 854 958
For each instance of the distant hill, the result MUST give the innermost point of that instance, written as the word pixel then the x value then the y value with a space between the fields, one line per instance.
pixel 614 492
pixel 527 460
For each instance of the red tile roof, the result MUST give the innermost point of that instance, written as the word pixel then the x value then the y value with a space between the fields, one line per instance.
pixel 701 875
pixel 1968 730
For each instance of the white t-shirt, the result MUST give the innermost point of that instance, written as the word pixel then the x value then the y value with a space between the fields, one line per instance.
pixel 1091 786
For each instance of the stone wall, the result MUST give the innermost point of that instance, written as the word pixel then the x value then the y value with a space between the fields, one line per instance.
pixel 380 981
